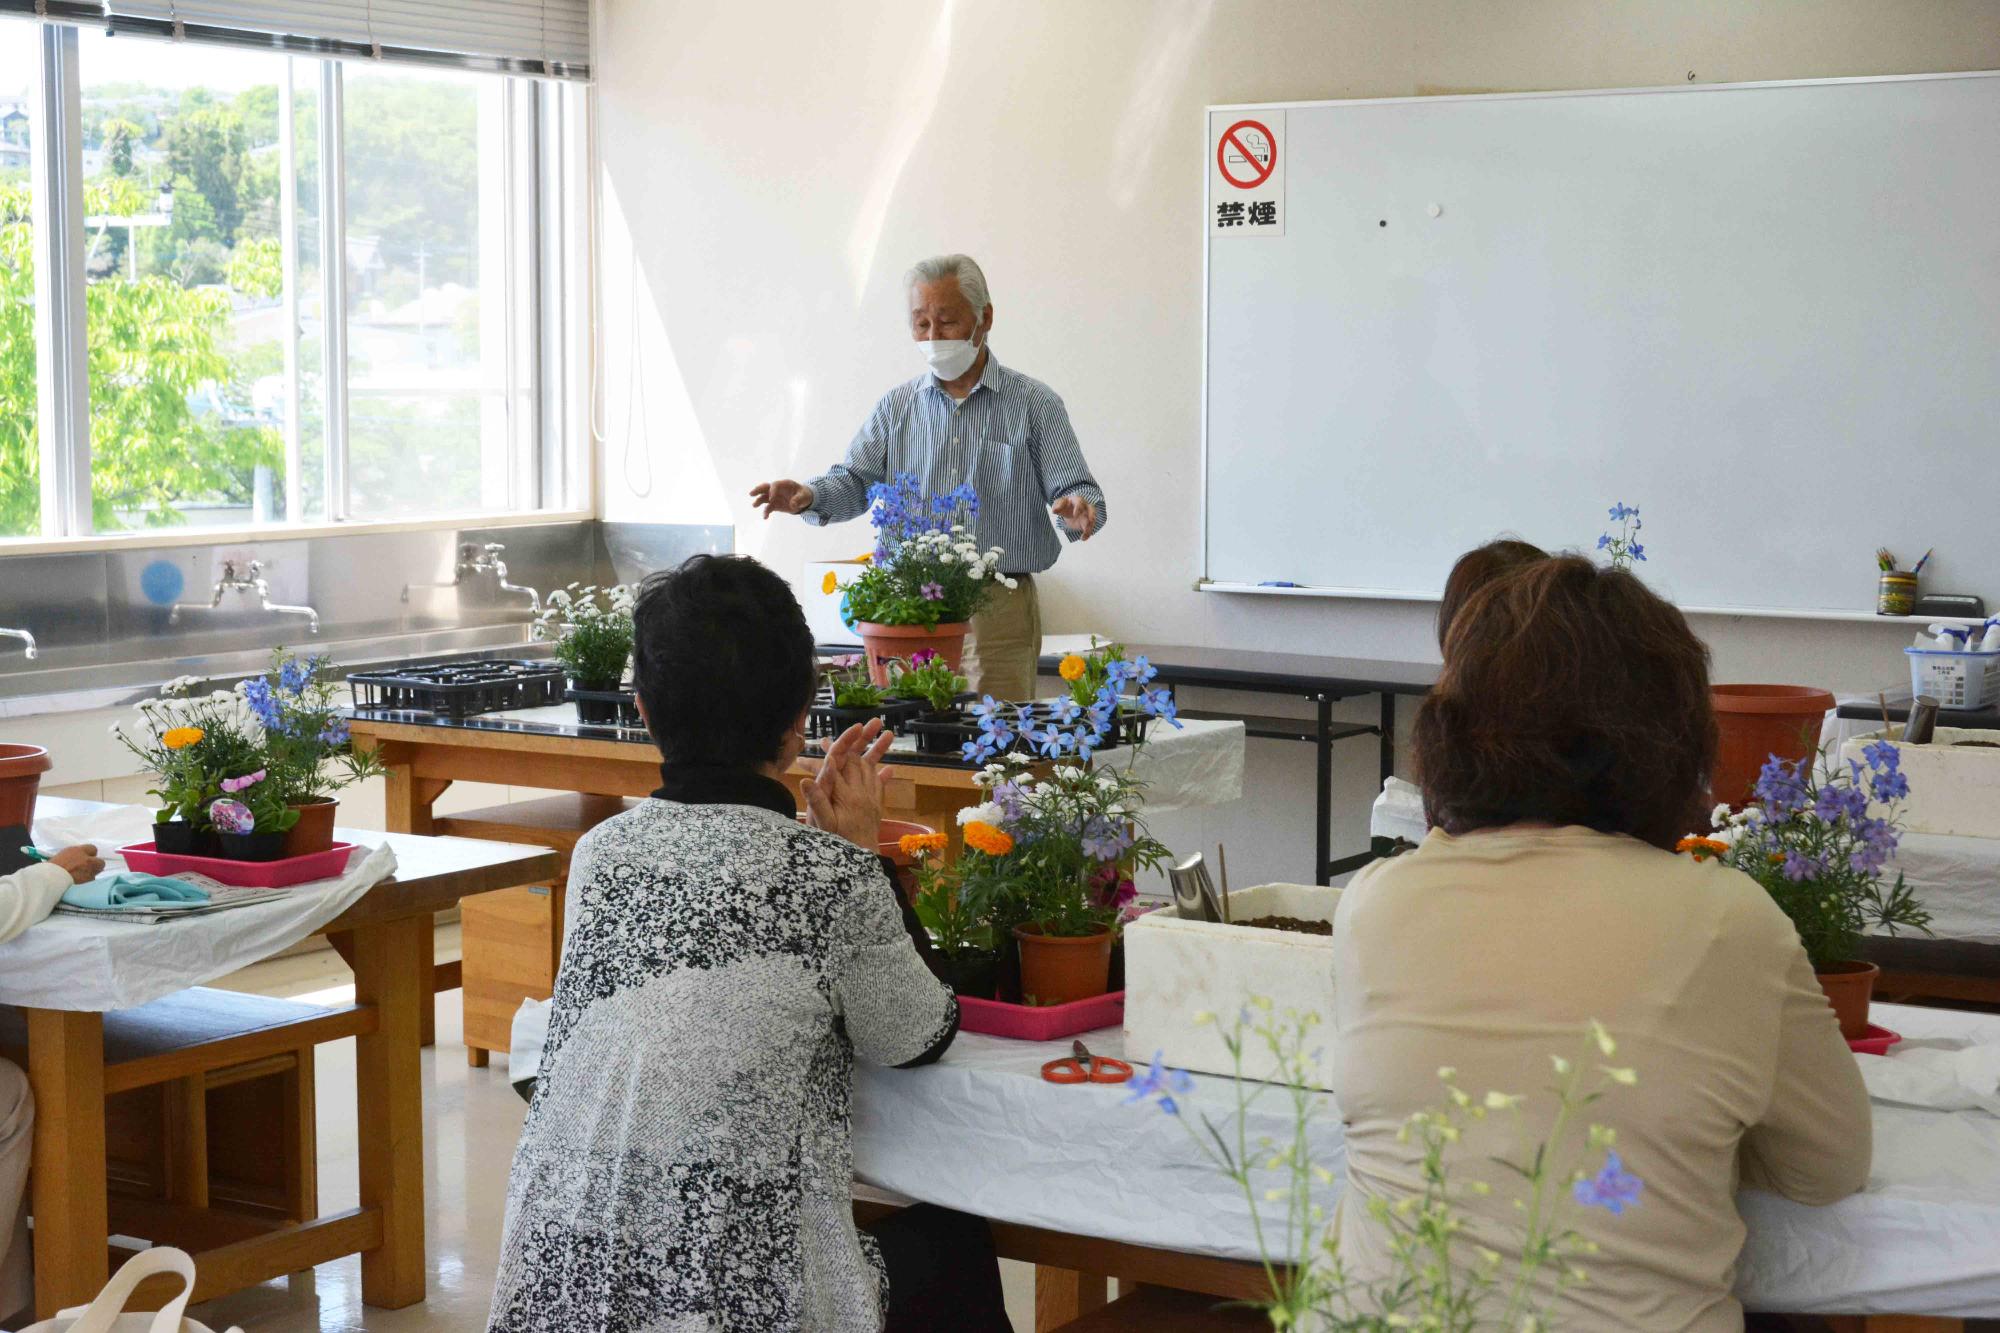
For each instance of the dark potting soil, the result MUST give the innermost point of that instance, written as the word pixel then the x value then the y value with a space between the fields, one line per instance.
pixel 1296 925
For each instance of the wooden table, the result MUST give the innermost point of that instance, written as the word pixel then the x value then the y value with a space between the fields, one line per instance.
pixel 388 932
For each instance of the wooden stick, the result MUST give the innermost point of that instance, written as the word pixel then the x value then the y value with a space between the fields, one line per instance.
pixel 1882 698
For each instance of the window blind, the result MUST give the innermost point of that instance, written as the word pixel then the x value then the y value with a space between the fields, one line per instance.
pixel 545 37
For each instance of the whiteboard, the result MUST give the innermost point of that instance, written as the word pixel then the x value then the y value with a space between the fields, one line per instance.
pixel 1766 314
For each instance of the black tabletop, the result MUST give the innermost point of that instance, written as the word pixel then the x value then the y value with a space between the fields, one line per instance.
pixel 1976 719
pixel 1236 668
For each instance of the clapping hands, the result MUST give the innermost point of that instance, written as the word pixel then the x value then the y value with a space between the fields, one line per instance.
pixel 845 797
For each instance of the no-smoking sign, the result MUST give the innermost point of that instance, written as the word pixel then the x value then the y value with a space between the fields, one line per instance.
pixel 1246 184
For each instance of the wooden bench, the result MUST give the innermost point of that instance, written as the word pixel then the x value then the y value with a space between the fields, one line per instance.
pixel 210 1130
pixel 511 941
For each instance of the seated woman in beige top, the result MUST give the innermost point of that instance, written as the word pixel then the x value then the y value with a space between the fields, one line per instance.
pixel 1564 751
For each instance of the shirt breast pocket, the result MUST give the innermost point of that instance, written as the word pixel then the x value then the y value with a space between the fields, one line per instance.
pixel 1001 469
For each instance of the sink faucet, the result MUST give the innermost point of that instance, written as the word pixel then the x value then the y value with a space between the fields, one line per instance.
pixel 474 558
pixel 253 581
pixel 26 638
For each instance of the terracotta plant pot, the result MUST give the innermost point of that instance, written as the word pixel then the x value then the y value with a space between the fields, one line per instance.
pixel 1756 722
pixel 883 644
pixel 1849 987
pixel 1056 969
pixel 21 769
pixel 314 831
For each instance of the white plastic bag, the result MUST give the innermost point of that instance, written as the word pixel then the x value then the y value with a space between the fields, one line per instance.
pixel 107 1314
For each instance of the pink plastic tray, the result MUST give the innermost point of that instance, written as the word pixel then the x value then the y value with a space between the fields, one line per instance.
pixel 1876 1041
pixel 1025 1022
pixel 328 864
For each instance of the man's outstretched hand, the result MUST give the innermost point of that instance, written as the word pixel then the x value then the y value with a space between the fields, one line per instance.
pixel 782 497
pixel 1077 512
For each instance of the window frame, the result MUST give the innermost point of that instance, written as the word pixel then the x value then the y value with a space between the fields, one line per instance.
pixel 549 352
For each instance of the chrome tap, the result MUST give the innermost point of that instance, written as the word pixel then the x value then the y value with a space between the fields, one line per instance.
pixel 253 581
pixel 26 638
pixel 474 558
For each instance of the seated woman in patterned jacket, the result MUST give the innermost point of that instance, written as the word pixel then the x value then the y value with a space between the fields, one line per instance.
pixel 685 1164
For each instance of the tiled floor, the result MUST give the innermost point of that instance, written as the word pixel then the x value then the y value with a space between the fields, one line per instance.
pixel 473 1118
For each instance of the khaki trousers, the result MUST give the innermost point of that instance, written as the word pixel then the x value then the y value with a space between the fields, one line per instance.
pixel 17 1144
pixel 1005 643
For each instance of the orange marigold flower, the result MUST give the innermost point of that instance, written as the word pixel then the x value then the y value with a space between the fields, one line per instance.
pixel 983 837
pixel 1702 848
pixel 1072 668
pixel 829 583
pixel 180 738
pixel 920 844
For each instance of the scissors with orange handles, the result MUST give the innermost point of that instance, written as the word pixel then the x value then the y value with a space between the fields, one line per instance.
pixel 1082 1067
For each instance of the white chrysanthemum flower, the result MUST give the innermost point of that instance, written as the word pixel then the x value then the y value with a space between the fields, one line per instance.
pixel 947 558
pixel 1069 773
pixel 988 812
pixel 1017 760
pixel 1009 584
pixel 1720 815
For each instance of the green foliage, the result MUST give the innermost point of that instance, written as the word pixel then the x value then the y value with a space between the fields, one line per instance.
pixel 190 773
pixel 257 269
pixel 956 916
pixel 208 149
pixel 1088 673
pixel 121 137
pixel 592 628
pixel 931 680
pixel 853 689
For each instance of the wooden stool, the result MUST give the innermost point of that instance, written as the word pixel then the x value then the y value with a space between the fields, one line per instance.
pixel 1161 1310
pixel 210 1129
pixel 512 940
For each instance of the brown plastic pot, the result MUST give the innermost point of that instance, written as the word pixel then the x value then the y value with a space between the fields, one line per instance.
pixel 1056 969
pixel 1849 987
pixel 883 644
pixel 314 831
pixel 21 769
pixel 1755 722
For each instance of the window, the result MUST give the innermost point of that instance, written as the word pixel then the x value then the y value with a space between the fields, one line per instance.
pixel 209 181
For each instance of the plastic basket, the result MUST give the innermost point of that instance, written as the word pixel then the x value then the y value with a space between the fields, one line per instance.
pixel 1957 680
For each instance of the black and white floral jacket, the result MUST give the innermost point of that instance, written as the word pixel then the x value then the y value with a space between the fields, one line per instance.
pixel 685 1164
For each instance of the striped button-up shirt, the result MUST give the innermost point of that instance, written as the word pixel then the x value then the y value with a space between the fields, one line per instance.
pixel 1010 439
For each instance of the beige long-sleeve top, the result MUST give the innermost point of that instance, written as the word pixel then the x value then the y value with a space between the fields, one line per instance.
pixel 28 895
pixel 1491 952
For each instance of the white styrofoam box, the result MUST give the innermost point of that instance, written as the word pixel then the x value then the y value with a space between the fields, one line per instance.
pixel 1176 970
pixel 1399 812
pixel 823 607
pixel 1954 787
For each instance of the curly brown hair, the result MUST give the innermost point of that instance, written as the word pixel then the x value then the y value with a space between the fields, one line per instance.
pixel 1570 694
pixel 1478 567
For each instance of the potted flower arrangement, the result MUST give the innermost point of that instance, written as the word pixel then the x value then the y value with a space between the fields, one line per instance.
pixel 592 630
pixel 253 817
pixel 308 754
pixel 1818 850
pixel 955 917
pixel 926 579
pixel 930 680
pixel 190 745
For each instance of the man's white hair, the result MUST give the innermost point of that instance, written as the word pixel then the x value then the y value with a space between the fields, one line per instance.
pixel 971 281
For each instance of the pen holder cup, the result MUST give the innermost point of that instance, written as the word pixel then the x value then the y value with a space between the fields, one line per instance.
pixel 1896 593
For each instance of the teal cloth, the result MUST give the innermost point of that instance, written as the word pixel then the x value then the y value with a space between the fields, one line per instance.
pixel 129 888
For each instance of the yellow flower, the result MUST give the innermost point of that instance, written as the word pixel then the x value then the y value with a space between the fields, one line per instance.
pixel 181 737
pixel 982 837
pixel 917 844
pixel 829 583
pixel 1072 668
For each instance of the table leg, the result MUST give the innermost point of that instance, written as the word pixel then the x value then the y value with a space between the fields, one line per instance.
pixel 407 801
pixel 1388 740
pixel 1323 791
pixel 66 1073
pixel 389 1105
pixel 1062 1296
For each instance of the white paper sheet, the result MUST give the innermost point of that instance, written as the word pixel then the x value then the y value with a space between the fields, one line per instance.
pixel 76 962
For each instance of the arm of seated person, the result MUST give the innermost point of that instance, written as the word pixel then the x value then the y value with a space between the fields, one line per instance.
pixel 896 1012
pixel 1815 1141
pixel 29 894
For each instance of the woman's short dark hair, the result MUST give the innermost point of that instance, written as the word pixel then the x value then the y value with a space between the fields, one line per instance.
pixel 1476 568
pixel 721 659
pixel 1570 695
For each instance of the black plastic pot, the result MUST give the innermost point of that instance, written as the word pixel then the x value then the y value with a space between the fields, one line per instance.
pixel 827 720
pixel 252 846
pixel 975 973
pixel 604 708
pixel 177 837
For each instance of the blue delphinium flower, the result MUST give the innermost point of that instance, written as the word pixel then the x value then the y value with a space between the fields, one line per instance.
pixel 1603 540
pixel 1614 1189
pixel 257 693
pixel 1799 867
pixel 336 732
pixel 1105 839
pixel 1882 756
pixel 1162 1083
pixel 1636 551
pixel 1160 703
pixel 1780 787
pixel 293 674
pixel 1839 801
pixel 1891 785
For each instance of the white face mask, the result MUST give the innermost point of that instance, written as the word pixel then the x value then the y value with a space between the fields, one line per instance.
pixel 949 358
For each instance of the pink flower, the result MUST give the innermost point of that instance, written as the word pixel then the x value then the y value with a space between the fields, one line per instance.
pixel 933 592
pixel 246 781
pixel 923 656
pixel 232 817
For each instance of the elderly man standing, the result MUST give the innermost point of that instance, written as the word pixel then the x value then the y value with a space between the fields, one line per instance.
pixel 968 419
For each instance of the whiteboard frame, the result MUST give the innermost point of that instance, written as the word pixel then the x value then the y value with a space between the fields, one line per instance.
pixel 1208 584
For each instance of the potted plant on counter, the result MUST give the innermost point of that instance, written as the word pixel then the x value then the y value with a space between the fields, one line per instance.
pixel 592 630
pixel 925 580
pixel 190 744
pixel 955 917
pixel 308 753
pixel 930 680
pixel 1817 848
pixel 252 818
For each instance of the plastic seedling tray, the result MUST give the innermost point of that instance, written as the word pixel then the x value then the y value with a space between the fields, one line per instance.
pixel 459 689
pixel 1026 1022
pixel 605 708
pixel 329 864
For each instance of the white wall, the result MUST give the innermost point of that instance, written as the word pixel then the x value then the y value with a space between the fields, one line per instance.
pixel 769 169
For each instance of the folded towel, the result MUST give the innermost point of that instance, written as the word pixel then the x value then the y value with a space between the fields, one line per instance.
pixel 129 888
pixel 1964 1079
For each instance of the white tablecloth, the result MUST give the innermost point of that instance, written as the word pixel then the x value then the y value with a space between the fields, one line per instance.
pixel 980 1131
pixel 76 962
